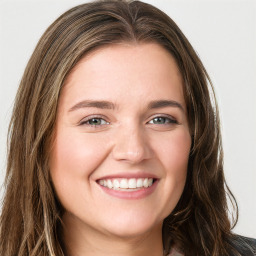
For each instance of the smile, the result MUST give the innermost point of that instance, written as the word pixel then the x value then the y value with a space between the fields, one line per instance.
pixel 126 184
pixel 128 188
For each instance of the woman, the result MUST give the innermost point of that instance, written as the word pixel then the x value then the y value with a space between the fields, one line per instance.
pixel 95 170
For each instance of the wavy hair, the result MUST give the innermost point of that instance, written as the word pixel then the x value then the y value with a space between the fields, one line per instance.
pixel 30 222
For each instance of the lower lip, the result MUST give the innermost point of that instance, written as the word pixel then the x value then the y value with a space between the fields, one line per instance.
pixel 136 194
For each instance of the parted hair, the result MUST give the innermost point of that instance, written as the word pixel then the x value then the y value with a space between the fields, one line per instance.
pixel 30 222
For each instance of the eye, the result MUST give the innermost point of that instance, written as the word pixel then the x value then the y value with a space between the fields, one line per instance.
pixel 162 120
pixel 95 121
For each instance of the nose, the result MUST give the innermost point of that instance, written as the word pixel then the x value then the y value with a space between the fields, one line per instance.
pixel 131 145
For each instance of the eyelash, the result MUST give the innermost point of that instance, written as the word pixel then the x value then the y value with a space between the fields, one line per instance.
pixel 168 121
pixel 85 121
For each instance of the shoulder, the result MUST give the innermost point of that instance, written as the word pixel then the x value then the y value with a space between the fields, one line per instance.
pixel 245 245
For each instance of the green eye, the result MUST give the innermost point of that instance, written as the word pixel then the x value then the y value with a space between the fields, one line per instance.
pixel 162 120
pixel 159 120
pixel 94 122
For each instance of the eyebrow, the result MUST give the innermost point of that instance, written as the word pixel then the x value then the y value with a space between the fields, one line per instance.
pixel 93 104
pixel 165 103
pixel 110 105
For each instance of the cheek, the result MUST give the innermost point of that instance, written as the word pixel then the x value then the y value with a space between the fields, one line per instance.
pixel 173 151
pixel 75 153
pixel 174 154
pixel 73 160
pixel 177 161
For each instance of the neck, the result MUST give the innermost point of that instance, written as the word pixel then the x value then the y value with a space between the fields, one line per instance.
pixel 81 239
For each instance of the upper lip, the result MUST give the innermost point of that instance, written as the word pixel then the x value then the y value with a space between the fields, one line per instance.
pixel 128 175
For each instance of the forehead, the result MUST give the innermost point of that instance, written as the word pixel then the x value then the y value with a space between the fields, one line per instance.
pixel 125 70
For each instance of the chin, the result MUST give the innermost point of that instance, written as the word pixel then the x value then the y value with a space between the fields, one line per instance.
pixel 132 226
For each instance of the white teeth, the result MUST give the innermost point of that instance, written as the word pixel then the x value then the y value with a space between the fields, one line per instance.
pixel 139 183
pixel 116 183
pixel 124 183
pixel 109 184
pixel 132 183
pixel 145 183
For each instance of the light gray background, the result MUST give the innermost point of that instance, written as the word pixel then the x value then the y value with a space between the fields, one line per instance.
pixel 224 35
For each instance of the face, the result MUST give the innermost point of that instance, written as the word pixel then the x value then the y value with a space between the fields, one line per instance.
pixel 122 142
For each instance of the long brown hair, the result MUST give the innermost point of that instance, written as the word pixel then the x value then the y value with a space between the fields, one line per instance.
pixel 31 215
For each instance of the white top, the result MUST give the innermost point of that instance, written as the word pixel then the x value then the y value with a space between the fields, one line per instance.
pixel 174 252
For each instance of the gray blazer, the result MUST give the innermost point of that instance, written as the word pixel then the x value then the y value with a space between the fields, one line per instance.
pixel 245 245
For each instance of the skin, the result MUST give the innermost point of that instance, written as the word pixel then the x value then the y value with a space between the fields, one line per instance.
pixel 127 139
